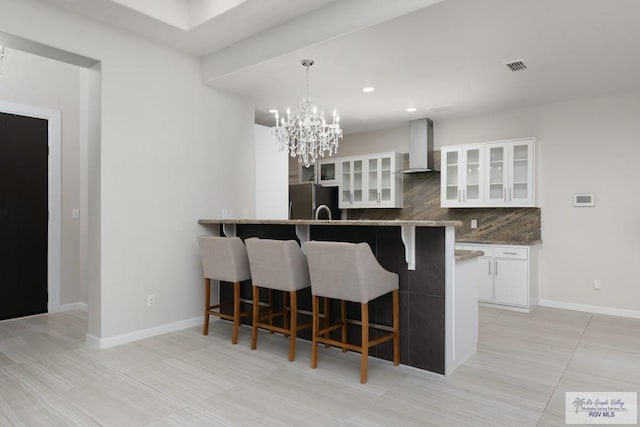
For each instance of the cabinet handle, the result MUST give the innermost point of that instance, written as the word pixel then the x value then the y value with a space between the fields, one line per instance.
pixel 464 195
pixel 496 267
pixel 504 194
pixel 509 193
pixel 489 264
pixel 459 195
pixel 379 197
pixel 510 253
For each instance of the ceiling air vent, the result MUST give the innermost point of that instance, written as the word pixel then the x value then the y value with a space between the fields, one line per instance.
pixel 516 65
pixel 439 108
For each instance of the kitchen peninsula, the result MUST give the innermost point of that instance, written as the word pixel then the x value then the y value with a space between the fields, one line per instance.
pixel 437 332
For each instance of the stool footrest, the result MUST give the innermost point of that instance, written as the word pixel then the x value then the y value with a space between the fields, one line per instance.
pixel 228 316
pixel 284 331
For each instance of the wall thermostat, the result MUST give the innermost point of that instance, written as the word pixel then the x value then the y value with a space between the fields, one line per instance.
pixel 580 200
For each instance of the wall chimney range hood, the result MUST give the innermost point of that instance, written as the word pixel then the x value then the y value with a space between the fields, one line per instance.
pixel 420 146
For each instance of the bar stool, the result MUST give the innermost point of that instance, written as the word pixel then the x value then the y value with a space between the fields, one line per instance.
pixel 224 259
pixel 279 265
pixel 350 272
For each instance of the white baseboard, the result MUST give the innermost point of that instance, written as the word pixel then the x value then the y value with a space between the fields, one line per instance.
pixel 95 342
pixel 69 307
pixel 590 308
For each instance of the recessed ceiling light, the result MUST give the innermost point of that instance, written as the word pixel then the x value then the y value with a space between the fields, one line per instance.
pixel 411 109
pixel 273 111
pixel 368 89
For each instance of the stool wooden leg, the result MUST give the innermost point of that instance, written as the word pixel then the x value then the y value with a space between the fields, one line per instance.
pixel 343 319
pixel 326 319
pixel 270 309
pixel 396 327
pixel 256 314
pixel 207 306
pixel 236 312
pixel 294 325
pixel 285 315
pixel 315 327
pixel 365 343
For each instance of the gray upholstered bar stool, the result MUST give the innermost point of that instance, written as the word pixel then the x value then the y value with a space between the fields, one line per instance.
pixel 279 265
pixel 350 272
pixel 225 259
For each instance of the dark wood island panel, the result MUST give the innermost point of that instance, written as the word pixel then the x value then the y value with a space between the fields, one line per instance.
pixel 423 286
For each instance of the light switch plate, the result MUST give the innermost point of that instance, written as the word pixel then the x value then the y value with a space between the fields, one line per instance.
pixel 75 213
pixel 474 223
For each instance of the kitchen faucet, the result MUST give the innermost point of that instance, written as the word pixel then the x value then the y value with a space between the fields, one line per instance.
pixel 323 207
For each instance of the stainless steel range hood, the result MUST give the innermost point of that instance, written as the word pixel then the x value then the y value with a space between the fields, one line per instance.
pixel 420 146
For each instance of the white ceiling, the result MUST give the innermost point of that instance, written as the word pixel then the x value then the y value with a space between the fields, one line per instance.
pixel 194 26
pixel 448 53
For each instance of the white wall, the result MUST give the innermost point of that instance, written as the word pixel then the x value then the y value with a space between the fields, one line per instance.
pixel 585 146
pixel 392 139
pixel 40 82
pixel 272 191
pixel 169 152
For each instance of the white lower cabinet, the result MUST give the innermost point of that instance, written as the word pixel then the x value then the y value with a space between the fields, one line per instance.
pixel 485 280
pixel 507 275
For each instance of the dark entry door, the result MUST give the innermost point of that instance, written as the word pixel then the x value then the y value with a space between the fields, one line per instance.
pixel 23 215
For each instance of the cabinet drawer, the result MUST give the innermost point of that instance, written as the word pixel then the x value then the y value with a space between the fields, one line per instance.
pixel 515 253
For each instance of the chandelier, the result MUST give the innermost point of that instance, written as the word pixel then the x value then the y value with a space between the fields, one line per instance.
pixel 304 132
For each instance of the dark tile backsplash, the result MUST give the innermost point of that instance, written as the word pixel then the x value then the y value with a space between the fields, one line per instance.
pixel 495 225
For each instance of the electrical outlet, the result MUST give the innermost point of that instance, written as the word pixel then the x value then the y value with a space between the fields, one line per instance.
pixel 75 213
pixel 597 283
pixel 151 300
pixel 474 223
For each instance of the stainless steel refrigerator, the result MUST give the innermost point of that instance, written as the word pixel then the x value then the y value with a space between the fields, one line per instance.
pixel 304 199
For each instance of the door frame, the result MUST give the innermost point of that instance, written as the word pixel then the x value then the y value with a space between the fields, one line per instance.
pixel 54 227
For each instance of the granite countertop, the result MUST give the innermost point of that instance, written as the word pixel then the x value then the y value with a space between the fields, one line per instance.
pixel 463 255
pixel 516 242
pixel 387 223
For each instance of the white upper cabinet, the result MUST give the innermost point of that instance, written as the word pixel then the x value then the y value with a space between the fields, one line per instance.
pixel 329 172
pixel 323 171
pixel 496 174
pixel 306 173
pixel 351 183
pixel 371 181
pixel 462 179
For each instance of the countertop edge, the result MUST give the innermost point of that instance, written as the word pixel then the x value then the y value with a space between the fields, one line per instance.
pixel 392 223
pixel 464 255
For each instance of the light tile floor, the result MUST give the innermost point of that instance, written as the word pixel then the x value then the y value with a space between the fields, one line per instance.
pixel 524 364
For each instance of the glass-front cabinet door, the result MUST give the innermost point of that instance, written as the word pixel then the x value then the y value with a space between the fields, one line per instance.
pixel 346 187
pixel 358 197
pixel 329 172
pixel 373 182
pixel 521 176
pixel 386 186
pixel 450 177
pixel 496 174
pixel 473 189
pixel 306 173
pixel 351 187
